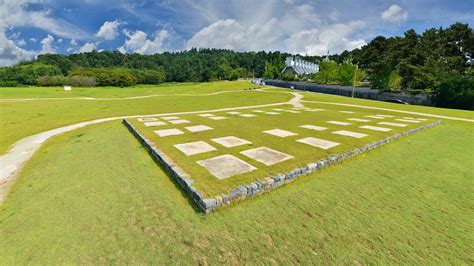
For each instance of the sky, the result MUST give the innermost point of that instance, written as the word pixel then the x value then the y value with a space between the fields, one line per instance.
pixel 29 28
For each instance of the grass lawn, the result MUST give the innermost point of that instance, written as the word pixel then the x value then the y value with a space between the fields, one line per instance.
pixel 22 119
pixel 94 195
pixel 251 129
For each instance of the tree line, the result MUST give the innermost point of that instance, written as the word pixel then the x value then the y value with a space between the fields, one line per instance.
pixel 437 61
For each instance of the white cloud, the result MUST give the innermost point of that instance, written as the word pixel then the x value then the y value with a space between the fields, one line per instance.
pixel 88 47
pixel 21 42
pixel 73 42
pixel 138 42
pixel 394 14
pixel 33 40
pixel 10 53
pixel 109 30
pixel 47 45
pixel 299 30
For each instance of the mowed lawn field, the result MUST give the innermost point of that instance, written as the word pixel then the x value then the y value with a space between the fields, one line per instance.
pixel 94 195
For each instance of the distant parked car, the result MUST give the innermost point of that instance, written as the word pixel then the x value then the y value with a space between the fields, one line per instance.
pixel 397 101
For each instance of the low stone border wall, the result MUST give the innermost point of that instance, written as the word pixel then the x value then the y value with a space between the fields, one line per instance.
pixel 257 187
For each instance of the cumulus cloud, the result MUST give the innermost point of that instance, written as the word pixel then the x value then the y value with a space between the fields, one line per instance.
pixel 47 45
pixel 138 42
pixel 394 14
pixel 301 30
pixel 109 30
pixel 88 47
pixel 10 53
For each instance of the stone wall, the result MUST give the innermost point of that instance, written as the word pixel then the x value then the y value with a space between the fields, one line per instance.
pixel 359 92
pixel 258 187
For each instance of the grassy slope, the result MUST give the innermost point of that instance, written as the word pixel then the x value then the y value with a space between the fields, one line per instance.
pixel 22 119
pixel 94 195
pixel 251 130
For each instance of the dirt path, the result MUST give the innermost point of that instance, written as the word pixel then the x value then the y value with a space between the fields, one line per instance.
pixel 13 160
pixel 394 110
pixel 117 99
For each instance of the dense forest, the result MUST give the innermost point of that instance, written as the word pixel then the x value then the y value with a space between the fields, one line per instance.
pixel 438 61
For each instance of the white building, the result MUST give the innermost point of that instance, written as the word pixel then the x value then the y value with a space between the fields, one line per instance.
pixel 295 65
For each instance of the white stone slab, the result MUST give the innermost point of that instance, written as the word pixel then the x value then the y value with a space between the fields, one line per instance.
pixel 358 119
pixel 225 166
pixel 168 132
pixel 258 111
pixel 154 123
pixel 350 134
pixel 280 133
pixel 266 155
pixel 218 117
pixel 231 141
pixel 314 110
pixel 317 128
pixel 382 129
pixel 338 123
pixel 408 120
pixel 180 121
pixel 147 119
pixel 198 128
pixel 278 109
pixel 319 143
pixel 388 116
pixel 247 115
pixel 374 116
pixel 233 113
pixel 293 111
pixel 196 147
pixel 421 119
pixel 392 124
pixel 169 117
pixel 272 113
pixel 346 112
pixel 206 115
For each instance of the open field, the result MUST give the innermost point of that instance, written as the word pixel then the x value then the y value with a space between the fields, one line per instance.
pixel 93 195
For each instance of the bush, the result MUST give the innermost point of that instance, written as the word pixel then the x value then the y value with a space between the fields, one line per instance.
pixel 288 77
pixel 455 92
pixel 81 81
pixel 51 81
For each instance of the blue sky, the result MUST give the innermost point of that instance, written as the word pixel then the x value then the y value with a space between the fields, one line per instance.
pixel 32 27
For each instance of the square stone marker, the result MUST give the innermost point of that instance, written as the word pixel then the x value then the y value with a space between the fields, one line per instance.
pixel 147 119
pixel 266 155
pixel 231 141
pixel 384 115
pixel 383 129
pixel 392 124
pixel 338 123
pixel 258 111
pixel 247 115
pixel 170 117
pixel 280 133
pixel 272 113
pixel 346 112
pixel 196 147
pixel 408 120
pixel 318 128
pixel 374 116
pixel 206 115
pixel 225 166
pixel 358 120
pixel 181 121
pixel 350 134
pixel 233 113
pixel 168 132
pixel 218 117
pixel 320 143
pixel 154 124
pixel 198 128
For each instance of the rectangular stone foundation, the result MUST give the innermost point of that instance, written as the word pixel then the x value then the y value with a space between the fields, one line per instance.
pixel 258 187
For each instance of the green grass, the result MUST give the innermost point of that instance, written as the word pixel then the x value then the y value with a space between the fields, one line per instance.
pixel 95 196
pixel 251 129
pixel 22 119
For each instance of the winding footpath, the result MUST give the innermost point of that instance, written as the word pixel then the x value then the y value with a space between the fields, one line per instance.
pixel 12 161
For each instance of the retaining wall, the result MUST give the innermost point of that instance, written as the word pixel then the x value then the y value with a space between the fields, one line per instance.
pixel 258 187
pixel 359 92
